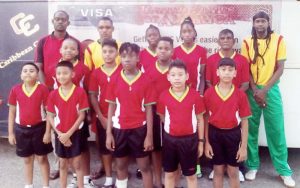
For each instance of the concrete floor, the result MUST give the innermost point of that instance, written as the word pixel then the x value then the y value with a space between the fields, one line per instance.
pixel 11 171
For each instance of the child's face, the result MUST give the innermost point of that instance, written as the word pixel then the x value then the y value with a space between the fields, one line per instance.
pixel 64 75
pixel 164 50
pixel 109 54
pixel 226 41
pixel 187 33
pixel 129 60
pixel 105 29
pixel 177 77
pixel 29 73
pixel 69 50
pixel 152 36
pixel 226 73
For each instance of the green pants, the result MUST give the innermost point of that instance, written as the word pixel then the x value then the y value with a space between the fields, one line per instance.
pixel 274 126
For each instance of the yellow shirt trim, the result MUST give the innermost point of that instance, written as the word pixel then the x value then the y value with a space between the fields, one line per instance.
pixel 188 51
pixel 28 94
pixel 130 82
pixel 224 98
pixel 160 70
pixel 154 54
pixel 231 57
pixel 179 98
pixel 109 73
pixel 66 98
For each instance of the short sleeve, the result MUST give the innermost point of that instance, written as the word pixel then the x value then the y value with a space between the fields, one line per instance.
pixel 245 70
pixel 110 93
pixel 244 107
pixel 203 56
pixel 281 51
pixel 245 50
pixel 208 71
pixel 39 54
pixel 12 99
pixel 93 85
pixel 150 94
pixel 160 107
pixel 199 106
pixel 83 101
pixel 88 58
pixel 50 102
pixel 45 95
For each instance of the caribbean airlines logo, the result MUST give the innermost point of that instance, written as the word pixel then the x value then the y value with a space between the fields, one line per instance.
pixel 21 24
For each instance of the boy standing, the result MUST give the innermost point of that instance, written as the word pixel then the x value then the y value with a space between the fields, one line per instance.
pixel 129 127
pixel 184 134
pixel 66 112
pixel 31 135
pixel 227 131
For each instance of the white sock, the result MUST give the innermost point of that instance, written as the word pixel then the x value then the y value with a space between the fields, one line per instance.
pixel 86 179
pixel 29 186
pixel 121 183
pixel 46 187
pixel 75 175
pixel 108 181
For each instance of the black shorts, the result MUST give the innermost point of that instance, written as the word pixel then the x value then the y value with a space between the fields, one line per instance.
pixel 30 140
pixel 157 131
pixel 130 142
pixel 181 150
pixel 102 139
pixel 72 151
pixel 225 144
pixel 85 133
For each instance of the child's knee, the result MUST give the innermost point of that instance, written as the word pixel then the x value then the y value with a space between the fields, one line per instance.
pixel 63 164
pixel 232 172
pixel 42 159
pixel 28 160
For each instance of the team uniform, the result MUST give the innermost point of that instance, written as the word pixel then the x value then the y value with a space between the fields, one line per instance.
pixel 147 59
pixel 48 53
pixel 129 120
pixel 93 55
pixel 65 109
pixel 30 122
pixel 193 58
pixel 242 69
pixel 99 81
pixel 160 82
pixel 225 114
pixel 180 141
pixel 273 112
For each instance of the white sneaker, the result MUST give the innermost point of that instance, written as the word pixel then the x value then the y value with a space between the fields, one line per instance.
pixel 211 175
pixel 251 175
pixel 90 184
pixel 288 181
pixel 241 176
pixel 73 183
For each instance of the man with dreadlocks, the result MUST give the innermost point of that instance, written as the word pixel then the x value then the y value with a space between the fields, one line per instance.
pixel 266 52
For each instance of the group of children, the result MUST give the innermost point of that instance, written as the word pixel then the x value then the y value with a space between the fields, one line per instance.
pixel 154 102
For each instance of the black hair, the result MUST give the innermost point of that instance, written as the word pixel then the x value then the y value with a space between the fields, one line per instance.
pixel 226 61
pixel 129 47
pixel 153 27
pixel 33 64
pixel 188 20
pixel 226 31
pixel 167 39
pixel 264 15
pixel 177 63
pixel 110 42
pixel 106 18
pixel 62 11
pixel 65 64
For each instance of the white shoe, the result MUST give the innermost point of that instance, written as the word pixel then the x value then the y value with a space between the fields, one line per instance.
pixel 73 183
pixel 251 175
pixel 288 181
pixel 90 184
pixel 211 175
pixel 241 176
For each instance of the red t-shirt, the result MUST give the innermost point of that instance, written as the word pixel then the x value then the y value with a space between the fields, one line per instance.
pixel 180 112
pixel 193 58
pixel 29 106
pixel 131 97
pixel 66 108
pixel 147 59
pixel 99 81
pixel 242 69
pixel 226 112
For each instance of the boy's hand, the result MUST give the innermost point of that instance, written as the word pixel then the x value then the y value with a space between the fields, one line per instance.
pixel 208 151
pixel 63 137
pixel 241 154
pixel 200 149
pixel 148 143
pixel 103 122
pixel 47 138
pixel 68 143
pixel 110 142
pixel 12 139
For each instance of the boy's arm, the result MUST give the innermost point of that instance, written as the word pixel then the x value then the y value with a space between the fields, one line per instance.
pixel 244 86
pixel 202 79
pixel 200 127
pixel 208 149
pixel 11 119
pixel 47 135
pixel 50 120
pixel 148 143
pixel 110 142
pixel 242 152
pixel 95 105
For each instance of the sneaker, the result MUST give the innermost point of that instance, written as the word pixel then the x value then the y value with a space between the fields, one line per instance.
pixel 211 175
pixel 251 175
pixel 288 181
pixel 90 184
pixel 138 174
pixel 73 183
pixel 241 176
pixel 198 171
